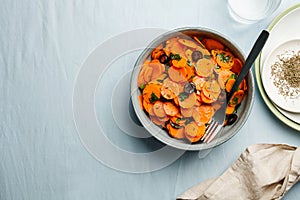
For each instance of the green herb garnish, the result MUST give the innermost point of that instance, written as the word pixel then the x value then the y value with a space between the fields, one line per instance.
pixel 183 96
pixel 153 98
pixel 175 56
pixel 233 76
pixel 223 58
pixel 178 120
pixel 235 100
pixel 142 86
pixel 159 80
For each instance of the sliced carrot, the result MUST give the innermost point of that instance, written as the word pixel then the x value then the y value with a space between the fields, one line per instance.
pixel 176 48
pixel 211 89
pixel 230 110
pixel 157 121
pixel 237 66
pixel 151 93
pixel 146 106
pixel 199 82
pixel 150 109
pixel 175 133
pixel 204 67
pixel 157 52
pixel 157 69
pixel 187 112
pixel 237 98
pixel 177 74
pixel 197 40
pixel 205 99
pixel 203 114
pixel 140 98
pixel 169 89
pixel 148 74
pixel 188 43
pixel 211 44
pixel 223 58
pixel 223 76
pixel 190 72
pixel 188 102
pixel 193 132
pixel 170 109
pixel 229 84
pixel 188 54
pixel 159 110
pixel 178 120
pixel 176 101
pixel 243 85
pixel 179 63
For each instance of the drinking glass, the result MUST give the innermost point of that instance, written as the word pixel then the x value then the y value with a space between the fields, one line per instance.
pixel 251 11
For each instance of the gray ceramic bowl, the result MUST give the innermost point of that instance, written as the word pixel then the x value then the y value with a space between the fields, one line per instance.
pixel 162 135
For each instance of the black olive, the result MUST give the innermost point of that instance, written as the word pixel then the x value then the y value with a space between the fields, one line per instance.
pixel 176 126
pixel 163 59
pixel 197 55
pixel 189 88
pixel 231 119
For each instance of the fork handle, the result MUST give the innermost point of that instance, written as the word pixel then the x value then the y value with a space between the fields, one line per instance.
pixel 259 44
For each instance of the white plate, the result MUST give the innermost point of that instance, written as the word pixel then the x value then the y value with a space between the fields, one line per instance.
pixel 286 50
pixel 282 29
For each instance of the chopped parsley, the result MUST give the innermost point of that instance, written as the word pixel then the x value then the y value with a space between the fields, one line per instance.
pixel 223 58
pixel 235 100
pixel 142 86
pixel 234 76
pixel 175 56
pixel 159 80
pixel 153 98
pixel 183 96
pixel 178 120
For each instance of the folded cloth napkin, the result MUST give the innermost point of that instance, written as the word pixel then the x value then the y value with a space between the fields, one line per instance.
pixel 263 171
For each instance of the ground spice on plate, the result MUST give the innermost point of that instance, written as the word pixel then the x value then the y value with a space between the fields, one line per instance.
pixel 286 74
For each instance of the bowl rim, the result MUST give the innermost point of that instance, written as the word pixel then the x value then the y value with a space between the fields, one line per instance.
pixel 150 126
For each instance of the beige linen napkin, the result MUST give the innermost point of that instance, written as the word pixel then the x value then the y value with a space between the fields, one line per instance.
pixel 263 171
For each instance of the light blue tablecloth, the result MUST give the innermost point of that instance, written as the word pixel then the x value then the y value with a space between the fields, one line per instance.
pixel 42 47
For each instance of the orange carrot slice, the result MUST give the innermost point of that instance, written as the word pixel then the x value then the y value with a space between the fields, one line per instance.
pixel 223 58
pixel 203 114
pixel 197 40
pixel 187 112
pixel 151 93
pixel 204 67
pixel 211 44
pixel 237 98
pixel 223 76
pixel 157 69
pixel 159 110
pixel 188 102
pixel 177 74
pixel 229 84
pixel 170 109
pixel 205 99
pixel 157 121
pixel 237 66
pixel 188 43
pixel 230 110
pixel 175 133
pixel 193 132
pixel 169 89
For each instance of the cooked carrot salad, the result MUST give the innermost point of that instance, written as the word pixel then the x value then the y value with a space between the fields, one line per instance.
pixel 184 81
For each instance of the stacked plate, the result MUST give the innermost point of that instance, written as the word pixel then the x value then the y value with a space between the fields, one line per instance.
pixel 284 42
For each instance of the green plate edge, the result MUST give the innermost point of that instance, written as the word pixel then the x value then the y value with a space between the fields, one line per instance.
pixel 268 102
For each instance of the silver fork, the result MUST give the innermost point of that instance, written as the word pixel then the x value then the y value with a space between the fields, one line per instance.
pixel 216 123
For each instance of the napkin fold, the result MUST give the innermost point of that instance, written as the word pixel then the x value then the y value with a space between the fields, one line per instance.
pixel 263 171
